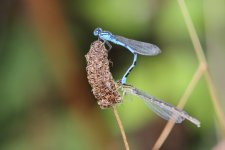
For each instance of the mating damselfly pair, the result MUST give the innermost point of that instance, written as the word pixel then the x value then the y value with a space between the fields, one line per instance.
pixel 161 108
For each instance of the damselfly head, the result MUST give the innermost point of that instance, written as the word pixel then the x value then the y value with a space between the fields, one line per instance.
pixel 97 31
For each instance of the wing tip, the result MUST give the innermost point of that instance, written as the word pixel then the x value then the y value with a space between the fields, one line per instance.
pixel 157 50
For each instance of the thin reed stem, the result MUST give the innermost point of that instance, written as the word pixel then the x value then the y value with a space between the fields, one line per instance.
pixel 121 128
pixel 167 129
pixel 201 70
pixel 202 60
pixel 216 104
pixel 192 32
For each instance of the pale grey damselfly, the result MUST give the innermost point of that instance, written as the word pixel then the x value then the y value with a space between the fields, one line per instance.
pixel 160 107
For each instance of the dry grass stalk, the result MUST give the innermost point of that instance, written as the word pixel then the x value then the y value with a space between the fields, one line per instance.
pixel 103 85
pixel 203 69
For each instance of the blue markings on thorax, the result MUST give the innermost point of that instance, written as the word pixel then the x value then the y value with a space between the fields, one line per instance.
pixel 108 36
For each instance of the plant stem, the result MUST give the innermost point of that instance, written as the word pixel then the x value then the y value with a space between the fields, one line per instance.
pixel 121 128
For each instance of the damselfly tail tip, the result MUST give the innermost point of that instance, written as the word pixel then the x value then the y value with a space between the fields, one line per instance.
pixel 194 121
pixel 198 124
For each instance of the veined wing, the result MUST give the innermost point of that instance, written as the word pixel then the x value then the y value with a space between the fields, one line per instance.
pixel 139 47
pixel 162 108
pixel 168 111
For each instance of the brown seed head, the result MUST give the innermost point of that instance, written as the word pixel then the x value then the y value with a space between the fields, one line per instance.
pixel 99 76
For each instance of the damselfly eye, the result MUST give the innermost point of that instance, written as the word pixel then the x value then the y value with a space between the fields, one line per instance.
pixel 97 31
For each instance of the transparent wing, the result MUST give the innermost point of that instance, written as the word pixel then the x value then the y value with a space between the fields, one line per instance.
pixel 140 47
pixel 162 108
pixel 168 111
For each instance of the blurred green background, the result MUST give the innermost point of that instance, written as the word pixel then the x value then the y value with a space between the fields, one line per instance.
pixel 46 101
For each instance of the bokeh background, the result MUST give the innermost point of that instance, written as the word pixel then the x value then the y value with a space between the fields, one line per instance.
pixel 46 101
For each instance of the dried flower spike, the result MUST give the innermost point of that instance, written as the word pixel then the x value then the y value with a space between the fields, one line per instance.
pixel 99 76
